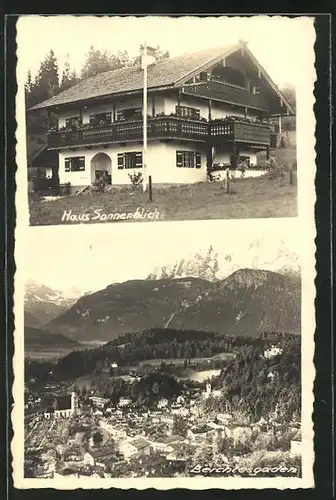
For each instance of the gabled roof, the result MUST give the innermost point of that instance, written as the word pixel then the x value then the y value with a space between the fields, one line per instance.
pixel 139 443
pixel 202 429
pixel 297 436
pixel 170 72
pixel 102 453
pixel 161 74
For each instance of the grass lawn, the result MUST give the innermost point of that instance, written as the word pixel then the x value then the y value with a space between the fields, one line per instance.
pixel 249 198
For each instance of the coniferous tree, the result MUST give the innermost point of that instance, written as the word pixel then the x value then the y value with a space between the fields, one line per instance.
pixel 47 78
pixel 69 76
pixel 28 83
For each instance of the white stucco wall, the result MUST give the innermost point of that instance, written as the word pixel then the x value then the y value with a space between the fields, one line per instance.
pixel 163 104
pixel 161 164
pixel 108 108
pixel 218 109
pixel 222 155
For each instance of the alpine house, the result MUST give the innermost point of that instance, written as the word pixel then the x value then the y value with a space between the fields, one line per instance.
pixel 204 109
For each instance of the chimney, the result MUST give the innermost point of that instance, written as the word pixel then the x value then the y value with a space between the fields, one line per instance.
pixel 149 57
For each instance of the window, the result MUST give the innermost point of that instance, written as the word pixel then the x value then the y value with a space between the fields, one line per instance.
pixel 101 119
pixel 188 112
pixel 73 122
pixel 129 114
pixel 74 164
pixel 245 160
pixel 188 159
pixel 130 160
pixel 255 90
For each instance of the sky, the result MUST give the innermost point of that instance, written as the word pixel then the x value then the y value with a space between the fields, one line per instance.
pixel 91 257
pixel 279 43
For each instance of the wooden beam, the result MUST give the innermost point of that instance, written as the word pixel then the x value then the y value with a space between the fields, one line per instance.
pixel 234 155
pixel 179 98
pixel 267 152
pixel 114 113
pixel 209 113
pixel 209 157
pixel 153 105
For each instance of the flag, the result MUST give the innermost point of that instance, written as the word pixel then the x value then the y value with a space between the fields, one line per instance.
pixel 148 55
pixel 150 51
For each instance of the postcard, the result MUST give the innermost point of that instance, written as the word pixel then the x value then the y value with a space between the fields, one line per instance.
pixel 164 246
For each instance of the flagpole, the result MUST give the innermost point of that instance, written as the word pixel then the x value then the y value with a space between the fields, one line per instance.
pixel 144 115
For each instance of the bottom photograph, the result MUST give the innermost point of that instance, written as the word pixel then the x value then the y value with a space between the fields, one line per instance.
pixel 162 354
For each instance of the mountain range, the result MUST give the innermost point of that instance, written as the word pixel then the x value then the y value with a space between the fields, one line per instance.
pixel 247 302
pixel 211 266
pixel 42 304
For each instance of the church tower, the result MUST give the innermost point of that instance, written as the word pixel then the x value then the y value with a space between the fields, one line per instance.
pixel 74 403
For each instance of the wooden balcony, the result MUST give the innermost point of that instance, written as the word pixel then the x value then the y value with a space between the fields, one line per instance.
pixel 227 93
pixel 226 131
pixel 165 127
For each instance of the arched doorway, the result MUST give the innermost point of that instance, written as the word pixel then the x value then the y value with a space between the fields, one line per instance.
pixel 101 165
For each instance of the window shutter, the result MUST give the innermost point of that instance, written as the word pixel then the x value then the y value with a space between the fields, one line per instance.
pixel 179 159
pixel 67 164
pixel 120 160
pixel 138 159
pixel 81 163
pixel 198 160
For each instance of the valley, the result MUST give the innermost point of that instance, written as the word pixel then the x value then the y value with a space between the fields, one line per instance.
pixel 163 370
pixel 245 303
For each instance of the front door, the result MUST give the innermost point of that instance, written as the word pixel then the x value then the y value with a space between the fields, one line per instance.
pixel 103 173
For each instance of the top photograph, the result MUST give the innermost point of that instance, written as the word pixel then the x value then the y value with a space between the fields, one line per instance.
pixel 154 118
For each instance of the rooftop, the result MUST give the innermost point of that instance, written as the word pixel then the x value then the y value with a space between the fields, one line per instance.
pixel 297 436
pixel 170 439
pixel 139 443
pixel 202 429
pixel 161 74
pixel 102 453
pixel 170 72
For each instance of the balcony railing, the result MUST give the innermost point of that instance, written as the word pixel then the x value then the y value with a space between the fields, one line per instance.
pixel 227 93
pixel 167 127
pixel 241 131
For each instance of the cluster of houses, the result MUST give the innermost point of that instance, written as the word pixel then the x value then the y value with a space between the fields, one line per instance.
pixel 140 433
